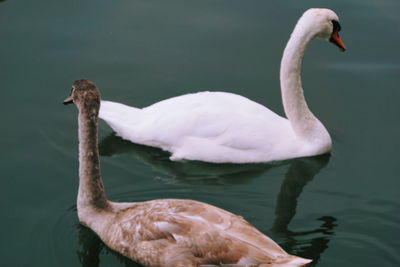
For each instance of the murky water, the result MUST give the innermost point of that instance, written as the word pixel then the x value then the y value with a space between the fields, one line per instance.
pixel 340 210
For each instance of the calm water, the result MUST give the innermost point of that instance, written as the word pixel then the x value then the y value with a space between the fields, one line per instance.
pixel 340 210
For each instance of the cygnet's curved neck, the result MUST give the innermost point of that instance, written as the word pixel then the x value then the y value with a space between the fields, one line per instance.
pixel 91 194
pixel 301 118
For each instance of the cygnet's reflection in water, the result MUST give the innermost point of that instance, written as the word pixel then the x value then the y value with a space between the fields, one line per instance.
pixel 91 247
pixel 299 173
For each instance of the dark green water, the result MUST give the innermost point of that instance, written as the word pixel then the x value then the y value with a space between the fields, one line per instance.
pixel 341 210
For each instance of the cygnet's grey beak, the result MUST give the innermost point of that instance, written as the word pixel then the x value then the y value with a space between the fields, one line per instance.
pixel 68 100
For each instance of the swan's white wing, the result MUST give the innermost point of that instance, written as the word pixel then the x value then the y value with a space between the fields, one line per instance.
pixel 209 124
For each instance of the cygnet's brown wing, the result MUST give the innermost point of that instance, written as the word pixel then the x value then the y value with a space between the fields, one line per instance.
pixel 174 232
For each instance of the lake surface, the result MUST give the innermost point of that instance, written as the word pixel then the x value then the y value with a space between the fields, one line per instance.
pixel 340 209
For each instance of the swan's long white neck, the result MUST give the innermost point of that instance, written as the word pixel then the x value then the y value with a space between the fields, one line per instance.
pixel 305 125
pixel 91 195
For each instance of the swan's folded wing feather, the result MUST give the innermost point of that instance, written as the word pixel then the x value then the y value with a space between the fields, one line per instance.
pixel 212 115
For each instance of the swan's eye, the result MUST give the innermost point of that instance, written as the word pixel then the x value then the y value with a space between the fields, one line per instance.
pixel 335 38
pixel 336 26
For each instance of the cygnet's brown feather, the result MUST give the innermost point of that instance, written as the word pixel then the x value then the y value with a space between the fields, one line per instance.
pixel 170 231
pixel 165 232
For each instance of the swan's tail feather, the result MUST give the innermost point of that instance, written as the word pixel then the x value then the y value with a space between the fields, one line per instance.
pixel 113 110
pixel 114 113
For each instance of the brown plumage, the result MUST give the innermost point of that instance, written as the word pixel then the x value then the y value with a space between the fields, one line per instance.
pixel 164 232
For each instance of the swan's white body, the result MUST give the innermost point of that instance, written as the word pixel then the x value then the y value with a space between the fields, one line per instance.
pixel 208 126
pixel 223 127
pixel 163 232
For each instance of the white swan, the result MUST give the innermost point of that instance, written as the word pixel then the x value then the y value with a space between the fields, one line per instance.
pixel 223 127
pixel 164 232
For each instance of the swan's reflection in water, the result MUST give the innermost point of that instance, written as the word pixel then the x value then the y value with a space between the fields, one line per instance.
pixel 186 172
pixel 300 172
pixel 311 248
pixel 309 244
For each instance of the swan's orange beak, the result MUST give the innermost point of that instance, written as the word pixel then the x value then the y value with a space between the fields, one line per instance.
pixel 335 39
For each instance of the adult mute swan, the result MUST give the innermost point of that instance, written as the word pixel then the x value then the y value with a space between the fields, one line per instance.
pixel 163 232
pixel 223 127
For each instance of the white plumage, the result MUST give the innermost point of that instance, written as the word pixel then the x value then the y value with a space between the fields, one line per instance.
pixel 204 126
pixel 223 127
